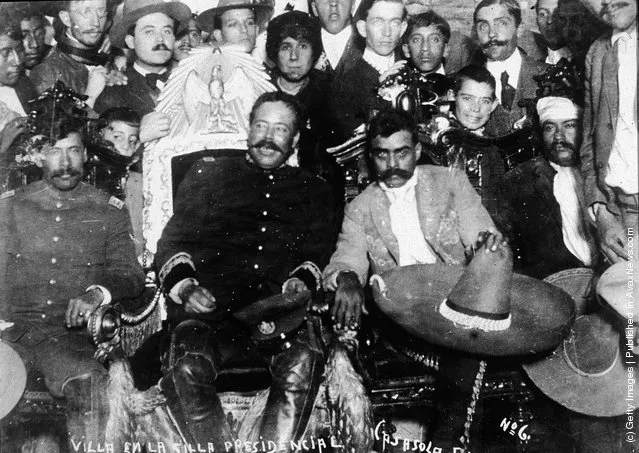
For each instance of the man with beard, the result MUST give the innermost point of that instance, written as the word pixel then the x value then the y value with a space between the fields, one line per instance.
pixel 496 23
pixel 148 28
pixel 293 43
pixel 244 228
pixel 65 249
pixel 78 60
pixel 544 197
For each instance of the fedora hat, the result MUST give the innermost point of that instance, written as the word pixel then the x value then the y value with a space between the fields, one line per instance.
pixel 132 10
pixel 480 309
pixel 13 378
pixel 263 11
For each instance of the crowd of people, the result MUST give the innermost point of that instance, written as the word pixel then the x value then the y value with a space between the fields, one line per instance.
pixel 257 233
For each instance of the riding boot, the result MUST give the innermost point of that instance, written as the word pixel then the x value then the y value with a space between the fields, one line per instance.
pixel 87 412
pixel 189 386
pixel 297 372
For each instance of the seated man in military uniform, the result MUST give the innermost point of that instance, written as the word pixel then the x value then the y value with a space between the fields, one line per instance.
pixel 65 249
pixel 244 228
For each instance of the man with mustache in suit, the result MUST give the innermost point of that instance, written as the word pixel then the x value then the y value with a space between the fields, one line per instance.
pixel 148 28
pixel 496 23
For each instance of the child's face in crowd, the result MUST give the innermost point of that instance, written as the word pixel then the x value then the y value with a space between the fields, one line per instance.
pixel 125 138
pixel 426 48
pixel 383 27
pixel 474 102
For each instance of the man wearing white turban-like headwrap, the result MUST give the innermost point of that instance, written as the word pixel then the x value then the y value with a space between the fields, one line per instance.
pixel 545 197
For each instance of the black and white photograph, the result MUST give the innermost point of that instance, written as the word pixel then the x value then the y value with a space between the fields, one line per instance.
pixel 319 226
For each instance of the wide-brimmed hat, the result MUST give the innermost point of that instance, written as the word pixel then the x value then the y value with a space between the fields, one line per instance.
pixel 132 10
pixel 13 378
pixel 617 285
pixel 466 309
pixel 263 11
pixel 588 372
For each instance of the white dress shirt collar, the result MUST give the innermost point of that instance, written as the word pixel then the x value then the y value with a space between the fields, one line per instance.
pixel 379 62
pixel 616 35
pixel 512 65
pixel 334 45
pixel 554 56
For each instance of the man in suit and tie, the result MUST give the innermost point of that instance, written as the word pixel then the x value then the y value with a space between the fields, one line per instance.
pixel 609 150
pixel 496 23
pixel 148 28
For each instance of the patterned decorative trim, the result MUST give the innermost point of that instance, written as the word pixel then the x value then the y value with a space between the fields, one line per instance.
pixel 310 274
pixel 469 321
pixel 181 265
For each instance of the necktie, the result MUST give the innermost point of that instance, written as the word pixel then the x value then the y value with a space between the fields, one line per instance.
pixel 152 79
pixel 507 92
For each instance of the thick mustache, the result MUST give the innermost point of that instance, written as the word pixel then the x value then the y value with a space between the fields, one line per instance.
pixel 268 144
pixel 68 172
pixel 160 46
pixel 395 172
pixel 564 144
pixel 494 42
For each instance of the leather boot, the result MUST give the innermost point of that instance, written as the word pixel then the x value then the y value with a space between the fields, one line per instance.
pixel 87 412
pixel 297 373
pixel 189 385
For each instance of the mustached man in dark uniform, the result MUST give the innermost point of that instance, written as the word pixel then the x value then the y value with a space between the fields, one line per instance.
pixel 65 249
pixel 244 228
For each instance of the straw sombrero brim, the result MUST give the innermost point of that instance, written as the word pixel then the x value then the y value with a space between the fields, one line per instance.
pixel 263 13
pixel 599 396
pixel 13 378
pixel 176 10
pixel 541 313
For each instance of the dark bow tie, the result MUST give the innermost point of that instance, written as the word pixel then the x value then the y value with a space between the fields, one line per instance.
pixel 152 78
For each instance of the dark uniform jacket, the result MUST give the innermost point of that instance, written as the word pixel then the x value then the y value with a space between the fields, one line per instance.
pixel 245 229
pixel 137 94
pixel 534 220
pixel 54 245
pixel 58 65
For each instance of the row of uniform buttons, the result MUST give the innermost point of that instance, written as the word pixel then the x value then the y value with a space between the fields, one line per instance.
pixel 260 247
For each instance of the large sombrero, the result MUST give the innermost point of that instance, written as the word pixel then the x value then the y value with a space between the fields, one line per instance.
pixel 13 378
pixel 132 10
pixel 588 372
pixel 263 11
pixel 480 309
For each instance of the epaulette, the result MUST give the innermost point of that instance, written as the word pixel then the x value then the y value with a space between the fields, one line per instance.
pixel 116 202
pixel 208 159
pixel 7 194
